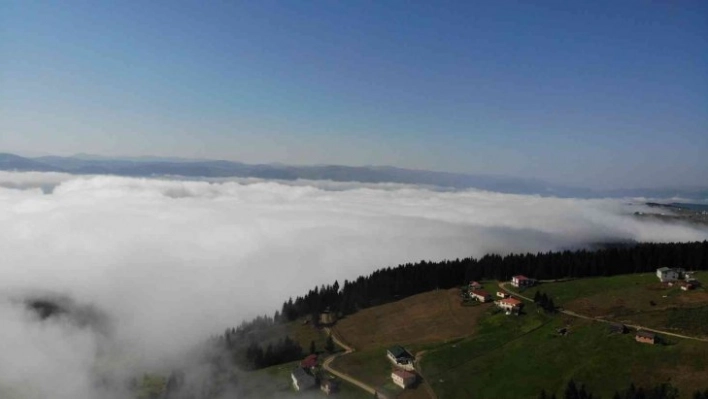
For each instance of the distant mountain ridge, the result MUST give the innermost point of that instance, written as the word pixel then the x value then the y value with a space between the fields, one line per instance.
pixel 199 168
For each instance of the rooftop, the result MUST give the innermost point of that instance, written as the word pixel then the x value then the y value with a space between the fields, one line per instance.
pixel 480 293
pixel 511 301
pixel 398 351
pixel 646 334
pixel 404 374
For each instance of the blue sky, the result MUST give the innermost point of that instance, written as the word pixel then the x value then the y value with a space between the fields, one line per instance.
pixel 598 94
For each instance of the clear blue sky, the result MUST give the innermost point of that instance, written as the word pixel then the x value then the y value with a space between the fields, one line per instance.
pixel 599 94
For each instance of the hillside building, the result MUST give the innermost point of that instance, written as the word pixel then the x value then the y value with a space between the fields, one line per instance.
pixel 645 337
pixel 666 274
pixel 302 380
pixel 510 305
pixel 403 379
pixel 398 355
pixel 481 295
pixel 522 281
pixel 329 386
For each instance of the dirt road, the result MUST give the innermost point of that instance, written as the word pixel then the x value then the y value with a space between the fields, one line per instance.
pixel 327 365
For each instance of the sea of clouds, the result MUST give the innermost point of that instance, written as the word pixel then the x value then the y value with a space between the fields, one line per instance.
pixel 167 263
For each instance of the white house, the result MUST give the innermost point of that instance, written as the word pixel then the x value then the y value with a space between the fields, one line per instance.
pixel 398 355
pixel 481 295
pixel 502 294
pixel 666 274
pixel 522 281
pixel 403 378
pixel 510 304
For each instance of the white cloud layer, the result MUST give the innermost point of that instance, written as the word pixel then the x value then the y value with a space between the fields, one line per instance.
pixel 172 262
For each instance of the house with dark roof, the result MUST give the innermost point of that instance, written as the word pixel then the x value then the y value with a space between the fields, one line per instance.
pixel 398 355
pixel 618 328
pixel 645 337
pixel 301 379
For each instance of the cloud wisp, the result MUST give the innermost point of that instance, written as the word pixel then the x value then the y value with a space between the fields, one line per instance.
pixel 157 265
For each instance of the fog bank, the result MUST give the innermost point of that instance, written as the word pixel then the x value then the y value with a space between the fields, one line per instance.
pixel 168 263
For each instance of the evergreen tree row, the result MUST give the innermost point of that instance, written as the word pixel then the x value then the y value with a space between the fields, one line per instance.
pixel 546 303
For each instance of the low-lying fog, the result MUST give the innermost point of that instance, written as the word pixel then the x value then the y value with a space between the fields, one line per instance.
pixel 153 267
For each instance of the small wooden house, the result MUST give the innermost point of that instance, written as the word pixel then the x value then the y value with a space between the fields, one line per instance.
pixel 403 378
pixel 645 337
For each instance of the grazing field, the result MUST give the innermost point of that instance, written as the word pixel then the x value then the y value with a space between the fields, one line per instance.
pixel 529 351
pixel 434 316
pixel 306 333
pixel 372 367
pixel 419 322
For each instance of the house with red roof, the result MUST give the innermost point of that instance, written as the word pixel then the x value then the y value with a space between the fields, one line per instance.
pixel 481 295
pixel 522 281
pixel 510 305
pixel 309 362
pixel 475 285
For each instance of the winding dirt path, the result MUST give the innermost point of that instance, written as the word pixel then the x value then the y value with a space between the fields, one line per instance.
pixel 327 365
pixel 502 285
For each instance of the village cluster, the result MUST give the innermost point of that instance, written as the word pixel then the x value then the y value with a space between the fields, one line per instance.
pixel 307 375
pixel 511 306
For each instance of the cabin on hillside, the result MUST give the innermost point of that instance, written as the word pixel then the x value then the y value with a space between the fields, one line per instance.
pixel 521 281
pixel 502 294
pixel 481 295
pixel 666 274
pixel 329 386
pixel 645 337
pixel 403 379
pixel 398 355
pixel 510 305
pixel 301 380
